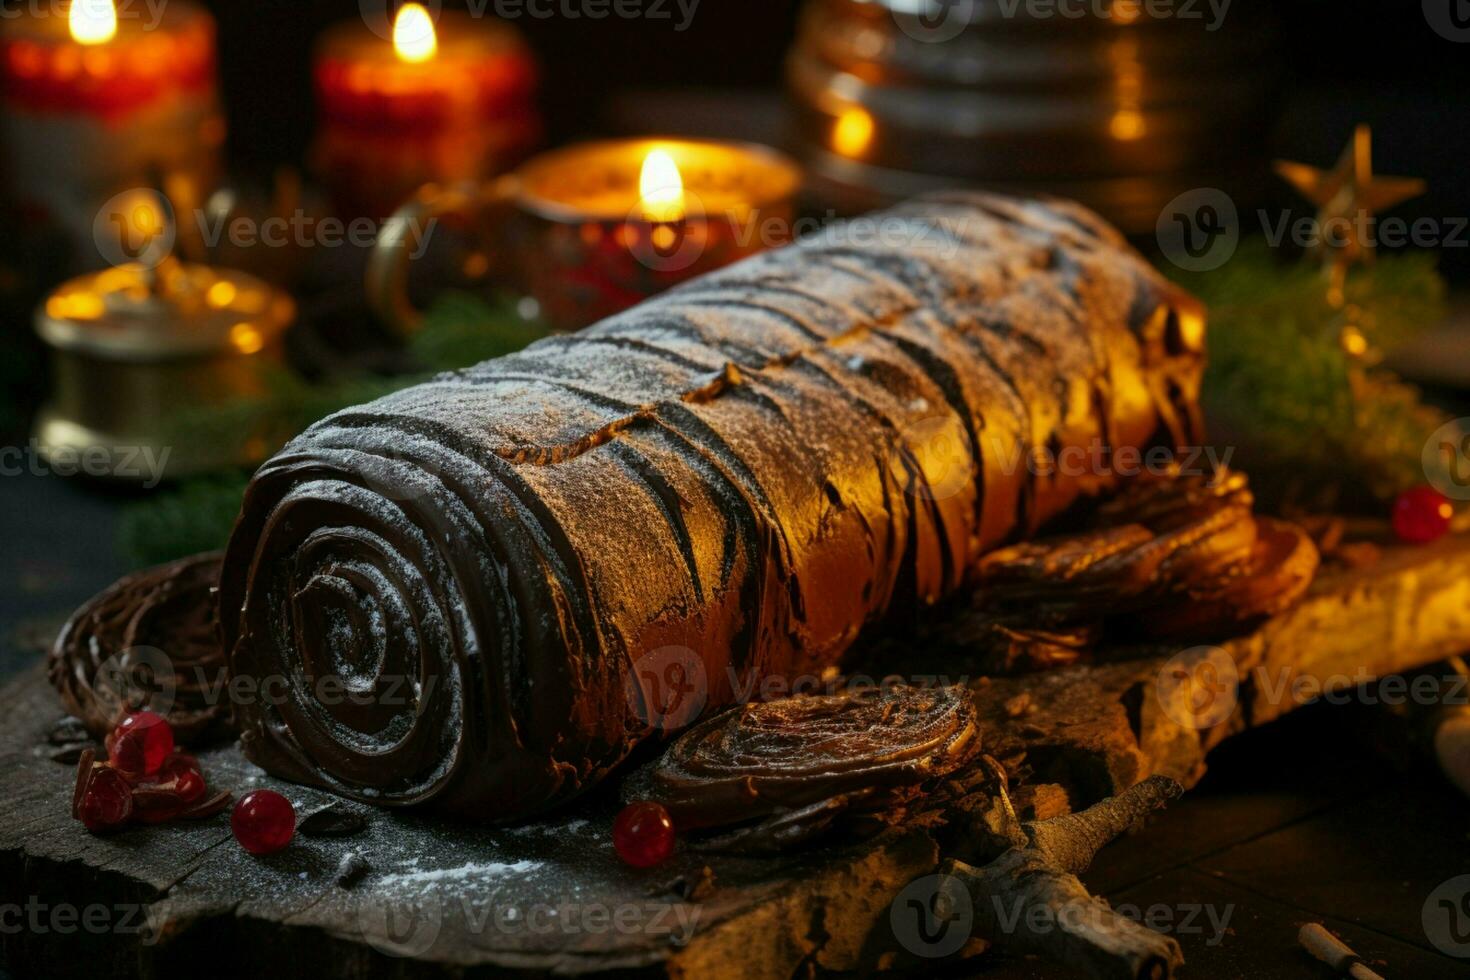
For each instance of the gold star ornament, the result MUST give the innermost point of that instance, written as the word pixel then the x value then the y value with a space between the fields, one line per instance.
pixel 1347 198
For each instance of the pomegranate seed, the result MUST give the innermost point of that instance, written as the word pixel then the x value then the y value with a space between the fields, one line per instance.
pixel 643 834
pixel 107 802
pixel 1421 515
pixel 140 743
pixel 263 821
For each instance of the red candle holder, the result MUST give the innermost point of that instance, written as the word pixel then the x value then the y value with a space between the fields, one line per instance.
pixel 391 120
pixel 86 113
pixel 590 230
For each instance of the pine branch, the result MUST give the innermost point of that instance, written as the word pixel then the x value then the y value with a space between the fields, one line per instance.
pixel 1312 423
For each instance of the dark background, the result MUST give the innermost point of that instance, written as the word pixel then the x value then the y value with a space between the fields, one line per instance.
pixel 1374 61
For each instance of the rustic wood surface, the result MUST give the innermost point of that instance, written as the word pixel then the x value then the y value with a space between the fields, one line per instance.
pixel 441 899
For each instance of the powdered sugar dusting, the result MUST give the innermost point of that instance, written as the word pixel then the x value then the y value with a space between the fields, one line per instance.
pixel 465 872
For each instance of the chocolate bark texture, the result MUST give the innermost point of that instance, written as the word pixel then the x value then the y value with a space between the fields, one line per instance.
pixel 484 591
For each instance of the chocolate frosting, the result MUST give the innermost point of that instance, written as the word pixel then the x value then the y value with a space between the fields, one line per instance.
pixel 149 640
pixel 745 470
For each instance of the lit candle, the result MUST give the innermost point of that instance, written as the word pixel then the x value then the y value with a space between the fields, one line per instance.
pixel 590 230
pixel 93 103
pixel 631 218
pixel 433 103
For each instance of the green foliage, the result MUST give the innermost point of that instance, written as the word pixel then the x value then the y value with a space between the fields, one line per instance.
pixel 194 516
pixel 461 329
pixel 197 514
pixel 1323 425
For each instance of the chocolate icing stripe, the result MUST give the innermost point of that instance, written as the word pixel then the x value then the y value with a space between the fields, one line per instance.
pixel 667 500
pixel 697 457
pixel 739 475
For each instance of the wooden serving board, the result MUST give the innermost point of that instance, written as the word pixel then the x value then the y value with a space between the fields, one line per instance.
pixel 442 899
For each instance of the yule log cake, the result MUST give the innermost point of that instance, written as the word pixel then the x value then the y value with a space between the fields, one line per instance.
pixel 521 570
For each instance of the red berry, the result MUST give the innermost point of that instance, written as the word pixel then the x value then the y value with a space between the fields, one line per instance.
pixel 643 835
pixel 107 802
pixel 1421 515
pixel 263 821
pixel 140 743
pixel 189 784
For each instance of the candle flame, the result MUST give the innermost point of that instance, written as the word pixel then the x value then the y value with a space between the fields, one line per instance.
pixel 661 188
pixel 92 21
pixel 414 39
pixel 853 132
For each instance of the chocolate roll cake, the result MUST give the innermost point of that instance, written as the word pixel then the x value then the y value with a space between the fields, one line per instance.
pixel 485 590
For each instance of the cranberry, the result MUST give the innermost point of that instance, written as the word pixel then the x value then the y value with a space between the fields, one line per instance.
pixel 643 834
pixel 189 784
pixel 107 802
pixel 140 743
pixel 1421 515
pixel 263 821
